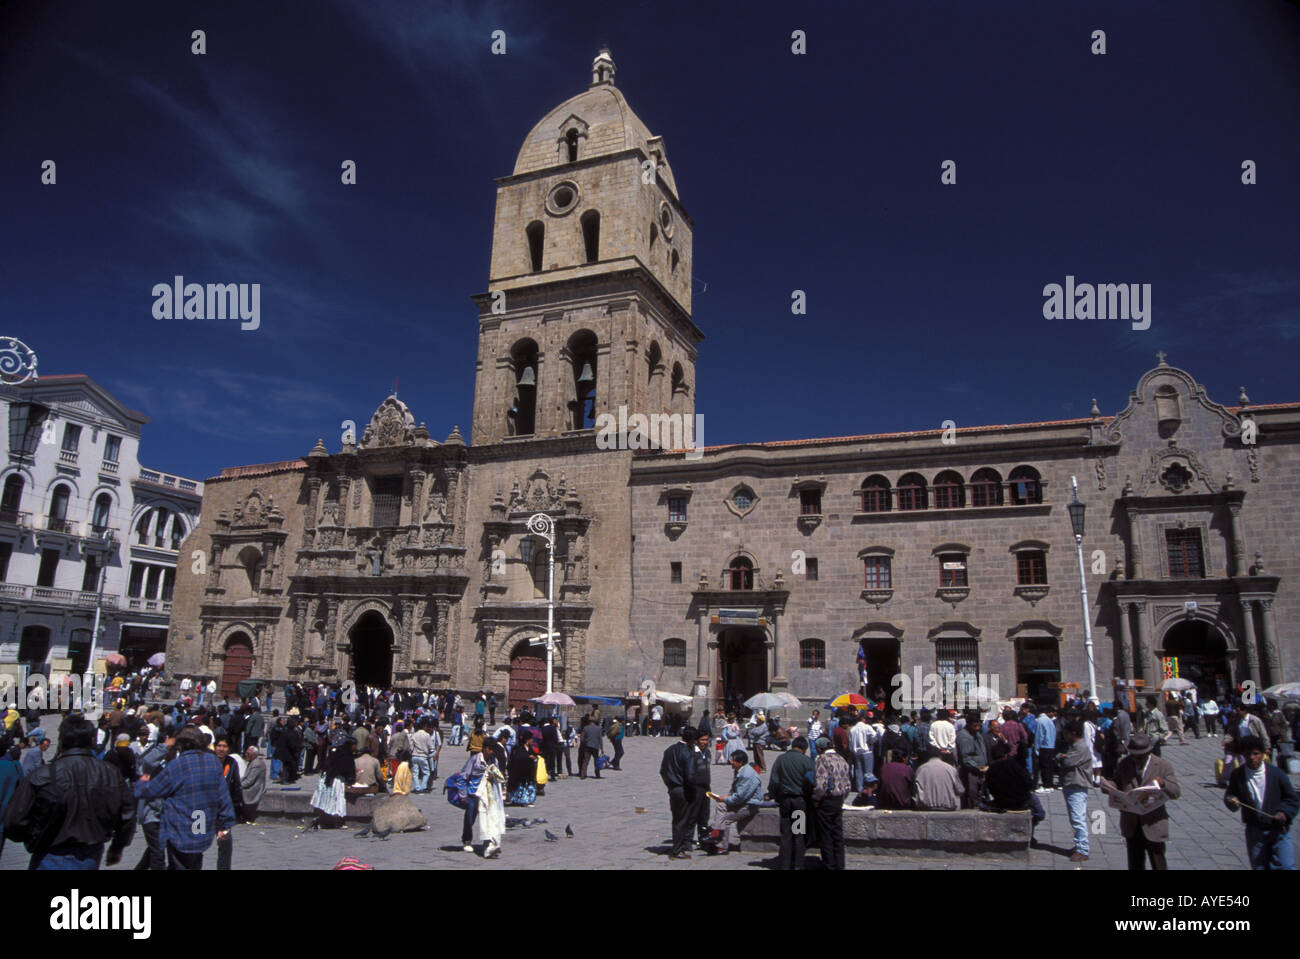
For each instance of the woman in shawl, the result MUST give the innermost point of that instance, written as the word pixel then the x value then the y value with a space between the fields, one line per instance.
pixel 521 786
pixel 490 824
pixel 330 799
pixel 731 740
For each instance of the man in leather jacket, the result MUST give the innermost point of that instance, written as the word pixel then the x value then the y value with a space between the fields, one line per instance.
pixel 66 810
pixel 677 770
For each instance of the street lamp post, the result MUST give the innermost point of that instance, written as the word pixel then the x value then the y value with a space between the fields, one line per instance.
pixel 542 525
pixel 1076 510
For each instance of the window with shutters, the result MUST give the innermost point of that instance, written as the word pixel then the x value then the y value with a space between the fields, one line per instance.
pixel 386 494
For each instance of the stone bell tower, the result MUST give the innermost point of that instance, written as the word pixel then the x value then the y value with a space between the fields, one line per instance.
pixel 588 305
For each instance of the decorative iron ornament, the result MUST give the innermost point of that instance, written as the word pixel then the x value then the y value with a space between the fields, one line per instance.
pixel 17 361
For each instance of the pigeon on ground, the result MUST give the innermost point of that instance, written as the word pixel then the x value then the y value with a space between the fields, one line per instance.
pixel 551 837
pixel 382 834
pixel 568 831
pixel 363 831
pixel 538 822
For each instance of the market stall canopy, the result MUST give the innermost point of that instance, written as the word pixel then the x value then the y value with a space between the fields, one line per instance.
pixel 1177 683
pixel 677 699
pixel 600 700
pixel 554 699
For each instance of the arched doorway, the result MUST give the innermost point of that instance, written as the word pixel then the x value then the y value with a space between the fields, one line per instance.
pixel 742 664
pixel 527 675
pixel 1202 654
pixel 372 651
pixel 882 656
pixel 238 665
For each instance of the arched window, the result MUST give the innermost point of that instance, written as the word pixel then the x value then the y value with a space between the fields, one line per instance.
pixel 1025 485
pixel 742 573
pixel 251 559
pixel 875 495
pixel 12 501
pixel 912 492
pixel 674 652
pixel 812 654
pixel 523 411
pixel 571 141
pixel 536 233
pixel 949 492
pixel 160 529
pixel 654 359
pixel 672 263
pixel 986 488
pixel 34 645
pixel 59 508
pixel 178 531
pixel 582 347
pixel 99 520
pixel 142 527
pixel 591 235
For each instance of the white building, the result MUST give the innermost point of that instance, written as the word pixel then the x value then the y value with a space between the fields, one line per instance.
pixel 76 507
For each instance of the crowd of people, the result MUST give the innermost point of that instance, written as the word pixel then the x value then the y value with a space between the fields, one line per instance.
pixel 940 760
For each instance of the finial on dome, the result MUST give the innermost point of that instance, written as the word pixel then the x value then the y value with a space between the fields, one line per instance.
pixel 602 68
pixel 1243 399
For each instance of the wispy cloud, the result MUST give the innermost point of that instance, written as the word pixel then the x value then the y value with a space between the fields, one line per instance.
pixel 231 405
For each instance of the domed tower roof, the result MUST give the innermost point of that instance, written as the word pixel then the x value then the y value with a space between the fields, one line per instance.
pixel 603 123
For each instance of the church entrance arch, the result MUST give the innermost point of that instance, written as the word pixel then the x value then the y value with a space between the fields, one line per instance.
pixel 527 675
pixel 742 664
pixel 372 651
pixel 1202 654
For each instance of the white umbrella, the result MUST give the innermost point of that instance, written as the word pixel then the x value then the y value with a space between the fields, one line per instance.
pixel 1284 691
pixel 790 699
pixel 1177 684
pixel 766 701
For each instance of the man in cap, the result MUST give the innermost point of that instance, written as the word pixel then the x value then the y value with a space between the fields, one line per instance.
pixel 1146 834
pixel 831 786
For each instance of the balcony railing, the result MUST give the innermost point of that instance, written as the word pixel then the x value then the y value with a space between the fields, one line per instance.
pixel 68 456
pixel 149 605
pixel 55 525
pixel 13 517
pixel 167 479
pixel 108 466
pixel 62 597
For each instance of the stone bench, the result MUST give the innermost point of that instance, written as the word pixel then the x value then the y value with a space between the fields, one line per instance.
pixel 289 803
pixel 871 831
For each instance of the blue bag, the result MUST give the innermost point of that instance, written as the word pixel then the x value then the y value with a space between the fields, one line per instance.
pixel 459 789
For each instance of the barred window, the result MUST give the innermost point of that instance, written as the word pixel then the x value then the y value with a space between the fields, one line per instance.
pixel 957 656
pixel 812 654
pixel 387 499
pixel 810 502
pixel 1186 559
pixel 677 509
pixel 674 652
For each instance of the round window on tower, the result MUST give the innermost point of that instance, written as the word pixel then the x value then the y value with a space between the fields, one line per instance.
pixel 666 219
pixel 562 198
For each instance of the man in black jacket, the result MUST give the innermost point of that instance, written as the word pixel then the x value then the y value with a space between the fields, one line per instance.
pixel 229 769
pixel 677 770
pixel 1268 805
pixel 66 810
pixel 698 795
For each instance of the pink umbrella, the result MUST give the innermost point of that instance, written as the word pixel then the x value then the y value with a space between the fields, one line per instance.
pixel 553 699
pixel 157 659
pixel 115 659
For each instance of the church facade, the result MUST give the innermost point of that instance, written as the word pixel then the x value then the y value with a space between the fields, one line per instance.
pixel 401 559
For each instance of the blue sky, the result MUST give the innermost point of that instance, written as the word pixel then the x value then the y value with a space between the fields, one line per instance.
pixel 818 172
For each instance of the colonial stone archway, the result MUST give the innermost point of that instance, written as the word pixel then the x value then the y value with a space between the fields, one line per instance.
pixel 371 643
pixel 1204 655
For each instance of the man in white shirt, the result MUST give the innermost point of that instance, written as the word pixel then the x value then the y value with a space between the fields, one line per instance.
pixel 1210 710
pixel 943 737
pixel 862 737
pixel 657 719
